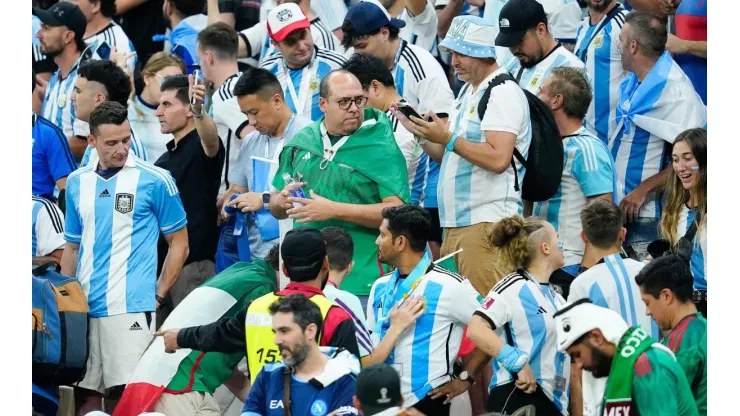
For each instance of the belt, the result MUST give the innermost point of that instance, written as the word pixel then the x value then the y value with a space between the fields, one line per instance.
pixel 700 295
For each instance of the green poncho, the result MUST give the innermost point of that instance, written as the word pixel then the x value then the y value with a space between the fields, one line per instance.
pixel 366 169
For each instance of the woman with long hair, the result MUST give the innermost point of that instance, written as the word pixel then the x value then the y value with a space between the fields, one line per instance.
pixel 141 108
pixel 685 213
pixel 515 322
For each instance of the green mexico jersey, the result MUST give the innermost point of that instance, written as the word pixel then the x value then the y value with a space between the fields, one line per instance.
pixel 659 386
pixel 688 341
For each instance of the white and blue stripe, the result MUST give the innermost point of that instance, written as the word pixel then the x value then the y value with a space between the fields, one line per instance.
pixel 588 171
pixel 417 161
pixel 117 223
pixel 650 114
pixel 420 80
pixel 611 284
pixel 699 247
pixel 532 78
pixel 137 148
pixel 114 36
pixel 47 227
pixel 327 62
pixel 520 312
pixel 604 66
pixel 57 106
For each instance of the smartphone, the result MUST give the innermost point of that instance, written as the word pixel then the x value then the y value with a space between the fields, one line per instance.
pixel 196 81
pixel 408 111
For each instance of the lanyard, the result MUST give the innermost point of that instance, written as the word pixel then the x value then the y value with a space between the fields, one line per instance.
pixel 330 150
pixel 281 143
pixel 551 298
pixel 307 73
pixel 401 46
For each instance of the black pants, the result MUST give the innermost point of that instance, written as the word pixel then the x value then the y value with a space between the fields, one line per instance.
pixel 431 407
pixel 507 399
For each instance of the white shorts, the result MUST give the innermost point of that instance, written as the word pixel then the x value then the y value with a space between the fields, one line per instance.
pixel 116 343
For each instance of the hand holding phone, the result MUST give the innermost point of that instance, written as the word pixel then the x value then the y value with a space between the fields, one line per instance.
pixel 196 81
pixel 408 111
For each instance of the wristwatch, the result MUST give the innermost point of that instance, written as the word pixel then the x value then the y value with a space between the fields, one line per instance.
pixel 159 299
pixel 266 199
pixel 464 376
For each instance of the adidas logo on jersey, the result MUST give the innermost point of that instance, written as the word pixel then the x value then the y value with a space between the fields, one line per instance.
pixel 104 194
pixel 135 327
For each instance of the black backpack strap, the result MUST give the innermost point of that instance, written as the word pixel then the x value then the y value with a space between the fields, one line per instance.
pixel 483 103
pixel 42 269
pixel 519 74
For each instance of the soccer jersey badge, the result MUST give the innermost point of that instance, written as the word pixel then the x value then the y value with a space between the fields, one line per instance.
pixel 124 203
pixel 599 40
pixel 62 100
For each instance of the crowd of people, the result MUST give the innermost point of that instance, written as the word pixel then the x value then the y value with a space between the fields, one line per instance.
pixel 376 207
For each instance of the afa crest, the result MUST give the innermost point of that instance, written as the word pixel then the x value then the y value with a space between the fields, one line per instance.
pixel 124 203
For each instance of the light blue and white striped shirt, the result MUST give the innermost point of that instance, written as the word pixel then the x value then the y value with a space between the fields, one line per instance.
pixel 424 353
pixel 520 311
pixel 417 161
pixel 57 106
pixel 598 46
pixel 699 248
pixel 532 78
pixel 47 227
pixel 469 194
pixel 301 86
pixel 650 114
pixel 114 37
pixel 611 284
pixel 137 147
pixel 588 171
pixel 117 223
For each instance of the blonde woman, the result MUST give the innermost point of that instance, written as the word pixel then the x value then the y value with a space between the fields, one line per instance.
pixel 684 222
pixel 141 108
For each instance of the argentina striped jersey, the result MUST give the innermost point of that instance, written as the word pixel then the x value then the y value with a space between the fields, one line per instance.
pixel 699 247
pixel 230 122
pixel 588 171
pixel 57 106
pixel 598 47
pixel 117 223
pixel 114 36
pixel 137 147
pixel 611 284
pixel 469 194
pixel 424 353
pixel 520 312
pixel 301 86
pixel 420 80
pixel 531 79
pixel 260 47
pixel 650 114
pixel 417 161
pixel 47 227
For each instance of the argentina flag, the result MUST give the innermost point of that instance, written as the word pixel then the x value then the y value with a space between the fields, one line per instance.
pixel 650 115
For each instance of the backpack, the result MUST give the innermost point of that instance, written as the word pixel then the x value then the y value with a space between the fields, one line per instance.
pixel 59 327
pixel 544 164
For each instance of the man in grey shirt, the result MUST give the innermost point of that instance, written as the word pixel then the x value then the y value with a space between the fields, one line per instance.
pixel 261 98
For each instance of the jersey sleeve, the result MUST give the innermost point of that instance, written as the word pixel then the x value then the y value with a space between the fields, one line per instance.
pixel 167 205
pixel 425 24
pixel 434 92
pixel 80 128
pixel 354 308
pixel 255 37
pixel 655 388
pixel 256 403
pixel 507 110
pixel 72 220
pixel 49 229
pixel 495 310
pixel 465 301
pixel 593 169
pixel 59 157
pixel 228 113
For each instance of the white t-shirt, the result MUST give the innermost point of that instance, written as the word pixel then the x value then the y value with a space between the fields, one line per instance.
pixel 421 30
pixel 420 80
pixel 146 127
pixel 230 123
pixel 417 161
pixel 468 194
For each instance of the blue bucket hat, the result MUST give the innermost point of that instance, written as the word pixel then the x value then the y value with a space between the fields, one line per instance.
pixel 470 36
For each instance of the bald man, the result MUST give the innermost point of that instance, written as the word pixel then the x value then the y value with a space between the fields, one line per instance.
pixel 350 168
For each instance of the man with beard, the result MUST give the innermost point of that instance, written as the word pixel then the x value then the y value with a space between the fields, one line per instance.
pixel 60 37
pixel 351 169
pixel 525 31
pixel 319 381
pixel 597 46
pixel 640 373
pixel 306 265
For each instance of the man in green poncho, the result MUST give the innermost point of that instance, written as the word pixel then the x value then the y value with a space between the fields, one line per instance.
pixel 644 377
pixel 350 169
pixel 667 288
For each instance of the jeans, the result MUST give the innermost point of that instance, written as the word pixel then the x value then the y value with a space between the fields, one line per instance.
pixel 641 233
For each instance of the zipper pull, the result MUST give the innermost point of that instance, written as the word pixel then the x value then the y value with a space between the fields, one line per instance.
pixel 46 329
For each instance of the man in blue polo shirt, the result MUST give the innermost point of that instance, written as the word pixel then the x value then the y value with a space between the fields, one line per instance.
pixel 51 159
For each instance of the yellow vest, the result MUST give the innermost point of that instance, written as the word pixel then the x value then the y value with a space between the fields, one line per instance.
pixel 261 348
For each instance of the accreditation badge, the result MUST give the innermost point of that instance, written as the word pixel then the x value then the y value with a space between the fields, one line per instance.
pixel 314 85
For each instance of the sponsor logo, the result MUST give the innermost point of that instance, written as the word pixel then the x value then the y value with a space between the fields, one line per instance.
pixel 135 327
pixel 104 194
pixel 276 404
pixel 503 23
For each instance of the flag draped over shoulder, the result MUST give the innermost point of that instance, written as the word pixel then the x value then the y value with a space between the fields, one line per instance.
pixel 222 295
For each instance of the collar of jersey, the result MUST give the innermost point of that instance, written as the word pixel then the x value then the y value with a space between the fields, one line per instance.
pixel 611 255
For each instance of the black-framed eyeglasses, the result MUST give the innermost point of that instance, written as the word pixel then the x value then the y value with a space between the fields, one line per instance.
pixel 344 103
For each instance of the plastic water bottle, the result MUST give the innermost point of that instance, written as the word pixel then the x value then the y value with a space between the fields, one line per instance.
pixel 296 193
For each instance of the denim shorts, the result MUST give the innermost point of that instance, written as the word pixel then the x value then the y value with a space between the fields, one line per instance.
pixel 641 233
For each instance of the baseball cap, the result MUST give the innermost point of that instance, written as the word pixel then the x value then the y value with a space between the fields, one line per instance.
pixel 303 247
pixel 582 316
pixel 378 388
pixel 470 36
pixel 368 16
pixel 284 20
pixel 64 14
pixel 516 17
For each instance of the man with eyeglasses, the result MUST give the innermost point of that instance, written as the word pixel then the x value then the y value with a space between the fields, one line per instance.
pixel 350 169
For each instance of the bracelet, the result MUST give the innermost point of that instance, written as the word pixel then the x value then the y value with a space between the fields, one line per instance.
pixel 195 114
pixel 451 145
pixel 159 299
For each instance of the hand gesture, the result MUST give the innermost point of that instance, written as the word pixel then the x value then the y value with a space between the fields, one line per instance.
pixel 315 209
pixel 632 203
pixel 41 86
pixel 525 380
pixel 406 313
pixel 248 202
pixel 121 58
pixel 170 339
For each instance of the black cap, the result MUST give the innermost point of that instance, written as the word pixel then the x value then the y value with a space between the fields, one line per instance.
pixel 516 17
pixel 378 388
pixel 303 246
pixel 64 14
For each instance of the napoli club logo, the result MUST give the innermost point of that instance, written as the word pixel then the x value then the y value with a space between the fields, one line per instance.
pixel 319 408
